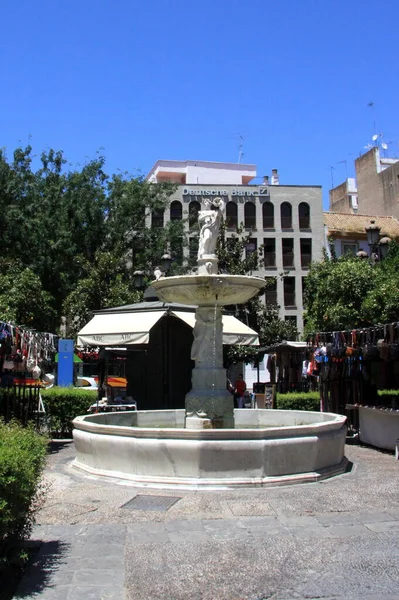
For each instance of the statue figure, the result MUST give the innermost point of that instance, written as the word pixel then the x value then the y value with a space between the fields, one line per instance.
pixel 204 334
pixel 210 224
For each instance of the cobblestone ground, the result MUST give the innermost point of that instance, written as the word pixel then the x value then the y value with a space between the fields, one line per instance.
pixel 337 539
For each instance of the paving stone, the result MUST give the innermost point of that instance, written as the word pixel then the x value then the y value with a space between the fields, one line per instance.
pixel 384 526
pixel 310 531
pixel 147 538
pixel 269 531
pixel 188 536
pixel 96 550
pixel 49 593
pixel 148 526
pixel 184 526
pixel 257 521
pixel 347 530
pixel 97 577
pixel 337 519
pixel 299 521
pixel 96 593
pixel 374 516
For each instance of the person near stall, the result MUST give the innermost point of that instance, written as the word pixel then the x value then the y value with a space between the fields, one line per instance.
pixel 239 389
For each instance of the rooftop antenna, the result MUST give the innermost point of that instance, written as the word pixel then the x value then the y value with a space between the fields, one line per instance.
pixel 371 106
pixel 240 147
pixel 332 175
pixel 344 162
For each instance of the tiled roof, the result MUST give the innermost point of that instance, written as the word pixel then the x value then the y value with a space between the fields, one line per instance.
pixel 347 224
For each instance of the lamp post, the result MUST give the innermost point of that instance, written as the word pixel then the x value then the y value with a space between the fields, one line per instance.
pixel 139 277
pixel 378 248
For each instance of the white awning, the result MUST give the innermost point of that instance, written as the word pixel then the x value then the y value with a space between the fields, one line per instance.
pixel 234 332
pixel 119 329
pixel 128 328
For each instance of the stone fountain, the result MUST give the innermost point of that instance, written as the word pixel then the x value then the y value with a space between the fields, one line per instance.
pixel 208 404
pixel 209 444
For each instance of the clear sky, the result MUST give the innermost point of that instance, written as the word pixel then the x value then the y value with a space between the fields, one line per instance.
pixel 180 79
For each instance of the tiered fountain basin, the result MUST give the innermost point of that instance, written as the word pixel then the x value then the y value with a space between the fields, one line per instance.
pixel 267 447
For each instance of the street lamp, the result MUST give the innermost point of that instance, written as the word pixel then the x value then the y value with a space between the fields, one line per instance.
pixel 378 248
pixel 139 277
pixel 384 247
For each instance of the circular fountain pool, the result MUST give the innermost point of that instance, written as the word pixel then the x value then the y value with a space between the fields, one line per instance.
pixel 267 447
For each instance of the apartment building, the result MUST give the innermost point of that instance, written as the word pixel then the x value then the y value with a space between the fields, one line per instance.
pixel 285 220
pixel 375 191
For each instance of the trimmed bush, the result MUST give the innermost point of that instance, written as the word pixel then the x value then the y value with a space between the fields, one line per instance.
pixel 62 405
pixel 22 456
pixel 298 401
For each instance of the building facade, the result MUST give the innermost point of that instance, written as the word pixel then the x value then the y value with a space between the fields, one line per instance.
pixel 375 190
pixel 347 233
pixel 285 221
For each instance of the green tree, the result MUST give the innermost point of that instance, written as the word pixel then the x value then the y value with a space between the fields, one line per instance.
pixel 63 222
pixel 24 301
pixel 335 293
pixel 108 284
pixel 381 304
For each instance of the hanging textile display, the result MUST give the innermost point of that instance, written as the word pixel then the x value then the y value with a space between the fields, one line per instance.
pixel 26 353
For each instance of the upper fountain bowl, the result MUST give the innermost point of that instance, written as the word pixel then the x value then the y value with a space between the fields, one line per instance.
pixel 208 290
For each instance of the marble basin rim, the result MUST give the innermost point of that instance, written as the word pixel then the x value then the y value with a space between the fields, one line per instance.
pixel 252 455
pixel 208 290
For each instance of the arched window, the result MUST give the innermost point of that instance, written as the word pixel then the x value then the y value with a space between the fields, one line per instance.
pixel 157 218
pixel 231 215
pixel 304 215
pixel 249 215
pixel 268 215
pixel 193 209
pixel 286 215
pixel 176 211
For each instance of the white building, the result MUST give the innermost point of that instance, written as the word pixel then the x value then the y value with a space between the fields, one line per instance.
pixel 285 220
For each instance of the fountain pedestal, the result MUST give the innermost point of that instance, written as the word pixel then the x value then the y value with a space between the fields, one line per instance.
pixel 209 404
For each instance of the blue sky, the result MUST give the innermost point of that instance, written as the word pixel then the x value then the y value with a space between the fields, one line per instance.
pixel 181 79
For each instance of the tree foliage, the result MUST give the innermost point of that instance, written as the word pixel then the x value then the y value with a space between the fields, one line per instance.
pixel 72 236
pixel 348 292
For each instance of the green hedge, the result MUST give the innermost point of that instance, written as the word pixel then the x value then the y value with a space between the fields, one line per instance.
pixel 62 405
pixel 298 401
pixel 22 455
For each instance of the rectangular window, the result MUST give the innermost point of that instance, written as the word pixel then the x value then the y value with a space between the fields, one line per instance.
pixel 306 252
pixel 289 292
pixel 269 245
pixel 288 252
pixel 250 247
pixel 349 248
pixel 271 290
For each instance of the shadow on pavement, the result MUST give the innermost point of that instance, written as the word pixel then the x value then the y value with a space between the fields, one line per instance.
pixel 56 446
pixel 42 569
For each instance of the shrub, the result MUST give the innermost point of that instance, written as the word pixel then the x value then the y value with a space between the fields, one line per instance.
pixel 22 455
pixel 298 401
pixel 62 405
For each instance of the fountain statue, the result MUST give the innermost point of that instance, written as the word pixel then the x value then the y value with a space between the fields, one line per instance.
pixel 209 444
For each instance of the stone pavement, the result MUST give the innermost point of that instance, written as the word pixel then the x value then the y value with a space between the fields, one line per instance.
pixel 337 539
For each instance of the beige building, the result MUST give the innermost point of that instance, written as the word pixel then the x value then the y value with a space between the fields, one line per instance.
pixel 285 220
pixel 375 190
pixel 348 232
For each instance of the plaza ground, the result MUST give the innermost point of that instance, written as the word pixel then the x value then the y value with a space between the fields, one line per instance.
pixel 337 539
